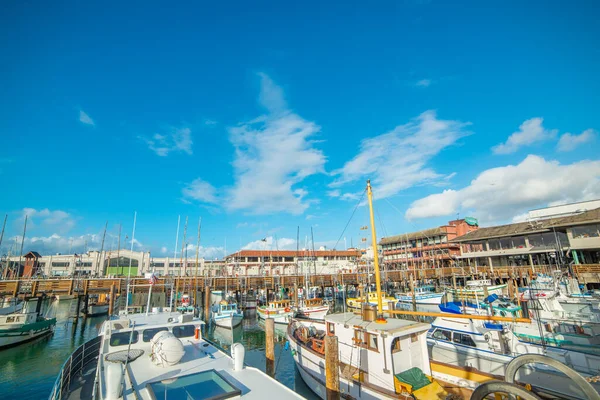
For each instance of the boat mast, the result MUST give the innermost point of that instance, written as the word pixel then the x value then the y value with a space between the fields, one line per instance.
pixel 380 318
pixel 196 272
pixel 22 242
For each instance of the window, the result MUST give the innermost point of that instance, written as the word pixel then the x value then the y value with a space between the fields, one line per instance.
pixel 464 339
pixel 582 232
pixel 365 339
pixel 494 244
pixel 330 329
pixel 396 347
pixel 60 264
pixel 148 334
pixel 122 338
pixel 442 334
pixel 184 331
pixel 159 265
pixel 289 259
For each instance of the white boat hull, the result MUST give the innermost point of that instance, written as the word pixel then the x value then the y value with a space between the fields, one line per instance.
pixel 283 317
pixel 97 309
pixel 60 297
pixel 228 321
pixel 313 312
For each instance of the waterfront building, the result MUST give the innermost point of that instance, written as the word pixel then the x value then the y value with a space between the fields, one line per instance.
pixel 556 235
pixel 428 248
pixel 292 262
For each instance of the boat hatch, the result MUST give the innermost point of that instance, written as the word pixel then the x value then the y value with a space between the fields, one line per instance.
pixel 203 385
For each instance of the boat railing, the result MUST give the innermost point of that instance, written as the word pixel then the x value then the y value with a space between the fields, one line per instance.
pixel 74 366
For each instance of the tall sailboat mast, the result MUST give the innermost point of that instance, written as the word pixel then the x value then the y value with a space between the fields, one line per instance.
pixel 380 318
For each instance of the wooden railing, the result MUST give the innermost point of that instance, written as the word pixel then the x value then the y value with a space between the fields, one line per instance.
pixel 81 285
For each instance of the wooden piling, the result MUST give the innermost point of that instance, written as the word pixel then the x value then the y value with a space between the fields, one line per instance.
pixel 206 304
pixel 111 300
pixel 412 289
pixel 270 345
pixel 332 369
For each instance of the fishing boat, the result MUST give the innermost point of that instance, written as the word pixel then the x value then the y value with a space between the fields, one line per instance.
pixel 469 352
pixel 378 358
pixel 25 325
pixel 227 315
pixel 357 302
pixel 160 355
pixel 279 310
pixel 474 289
pixel 312 308
pixel 97 306
pixel 249 301
pixel 422 295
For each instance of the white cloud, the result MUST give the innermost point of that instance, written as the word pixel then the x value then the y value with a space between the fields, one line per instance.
pixel 498 194
pixel 58 220
pixel 274 153
pixel 85 119
pixel 200 190
pixel 568 141
pixel 334 193
pixel 271 244
pixel 176 140
pixel 397 160
pixel 210 122
pixel 530 132
pixel 424 83
pixel 163 250
pixel 209 253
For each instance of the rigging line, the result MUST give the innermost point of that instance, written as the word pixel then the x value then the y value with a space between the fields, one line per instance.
pixel 351 216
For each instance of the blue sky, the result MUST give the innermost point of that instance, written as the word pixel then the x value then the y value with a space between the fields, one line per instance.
pixel 264 116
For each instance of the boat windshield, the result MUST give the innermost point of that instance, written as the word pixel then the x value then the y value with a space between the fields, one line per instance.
pixel 203 385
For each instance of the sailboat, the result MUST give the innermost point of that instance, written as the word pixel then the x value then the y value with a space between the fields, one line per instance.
pixel 378 359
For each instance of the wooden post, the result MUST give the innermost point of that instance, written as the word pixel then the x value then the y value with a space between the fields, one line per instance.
pixel 34 287
pixel 206 304
pixel 270 345
pixel 454 281
pixel 510 288
pixel 111 300
pixel 77 310
pixel 16 289
pixel 86 299
pixel 71 286
pixel 332 369
pixel 412 289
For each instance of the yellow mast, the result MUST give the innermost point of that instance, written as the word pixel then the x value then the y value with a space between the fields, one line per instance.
pixel 380 318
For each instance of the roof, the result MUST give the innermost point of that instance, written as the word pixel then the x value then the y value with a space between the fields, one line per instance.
pixel 414 235
pixel 294 253
pixel 394 326
pixel 521 228
pixel 32 254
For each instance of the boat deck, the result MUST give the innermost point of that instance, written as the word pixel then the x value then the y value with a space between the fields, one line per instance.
pixel 393 325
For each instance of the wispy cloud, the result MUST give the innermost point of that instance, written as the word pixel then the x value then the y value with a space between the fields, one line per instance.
pixel 58 220
pixel 175 140
pixel 210 122
pixel 270 243
pixel 569 142
pixel 530 132
pixel 274 153
pixel 200 190
pixel 85 119
pixel 498 194
pixel 424 83
pixel 398 160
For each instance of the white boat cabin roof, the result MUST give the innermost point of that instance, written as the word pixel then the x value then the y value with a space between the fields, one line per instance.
pixel 202 369
pixel 393 326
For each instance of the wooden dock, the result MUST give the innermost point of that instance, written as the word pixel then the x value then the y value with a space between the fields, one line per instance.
pixel 587 274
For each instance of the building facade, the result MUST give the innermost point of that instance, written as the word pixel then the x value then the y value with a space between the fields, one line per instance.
pixel 429 248
pixel 545 239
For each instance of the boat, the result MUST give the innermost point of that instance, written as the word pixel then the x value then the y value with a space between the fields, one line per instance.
pixel 159 355
pixel 422 295
pixel 357 302
pixel 97 306
pixel 312 308
pixel 469 352
pixel 10 305
pixel 60 297
pixel 249 301
pixel 227 315
pixel 25 325
pixel 97 309
pixel 279 310
pixel 377 358
pixel 474 289
pixel 186 306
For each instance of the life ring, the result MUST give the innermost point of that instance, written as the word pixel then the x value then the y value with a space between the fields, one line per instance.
pixel 287 309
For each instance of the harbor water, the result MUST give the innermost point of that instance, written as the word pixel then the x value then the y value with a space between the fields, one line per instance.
pixel 28 371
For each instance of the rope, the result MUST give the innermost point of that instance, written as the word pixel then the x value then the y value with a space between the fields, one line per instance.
pixel 351 216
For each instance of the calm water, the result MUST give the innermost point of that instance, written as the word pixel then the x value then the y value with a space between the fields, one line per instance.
pixel 28 371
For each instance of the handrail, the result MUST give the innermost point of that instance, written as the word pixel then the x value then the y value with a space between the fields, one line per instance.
pixel 82 356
